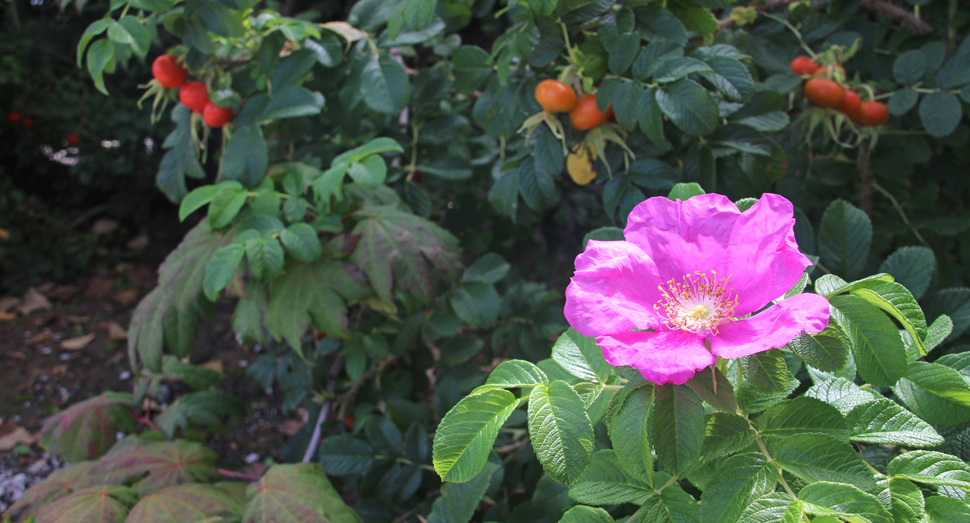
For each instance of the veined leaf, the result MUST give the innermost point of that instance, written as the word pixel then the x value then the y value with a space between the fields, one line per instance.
pixel 561 432
pixel 825 498
pixel 885 422
pixel 932 468
pixel 163 463
pixel 906 501
pixel 844 238
pixel 606 483
pixel 897 301
pixel 629 431
pixel 677 426
pixel 876 345
pixel 101 504
pixel 803 415
pixel 514 373
pixel 740 479
pixel 184 503
pixel 818 457
pixel 87 429
pixel 459 500
pixel 581 357
pixel 466 434
pixel 298 493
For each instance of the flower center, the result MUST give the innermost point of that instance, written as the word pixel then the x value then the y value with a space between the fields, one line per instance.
pixel 699 301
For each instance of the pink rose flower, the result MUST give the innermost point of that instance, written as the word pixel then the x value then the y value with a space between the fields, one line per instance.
pixel 676 293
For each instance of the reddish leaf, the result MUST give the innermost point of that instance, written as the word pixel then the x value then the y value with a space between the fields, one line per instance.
pixel 101 504
pixel 184 504
pixel 167 463
pixel 296 494
pixel 59 484
pixel 87 430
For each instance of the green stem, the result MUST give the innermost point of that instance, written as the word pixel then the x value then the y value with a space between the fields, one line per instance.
pixel 667 484
pixel 899 209
pixel 764 450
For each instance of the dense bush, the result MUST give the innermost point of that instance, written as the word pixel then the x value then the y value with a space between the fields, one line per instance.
pixel 396 217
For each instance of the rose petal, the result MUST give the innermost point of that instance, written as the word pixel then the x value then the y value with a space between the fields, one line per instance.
pixel 661 357
pixel 773 328
pixel 613 290
pixel 764 260
pixel 707 233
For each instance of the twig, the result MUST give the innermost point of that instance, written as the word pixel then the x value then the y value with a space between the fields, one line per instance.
pixel 311 449
pixel 514 446
pixel 905 18
pixel 239 475
pixel 899 209
pixel 865 176
pixel 346 397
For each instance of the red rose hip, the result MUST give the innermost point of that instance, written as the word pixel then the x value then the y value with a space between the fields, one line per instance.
pixel 216 116
pixel 168 72
pixel 194 95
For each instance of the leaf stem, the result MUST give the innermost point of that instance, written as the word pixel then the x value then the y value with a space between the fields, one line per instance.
pixel 764 450
pixel 669 482
pixel 899 209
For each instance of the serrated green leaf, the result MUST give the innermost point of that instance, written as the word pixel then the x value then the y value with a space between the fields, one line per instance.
pixel 581 357
pixel 912 267
pixel 196 199
pixel 802 415
pixel 876 345
pixel 819 457
pixel 715 389
pixel 906 501
pixel 766 371
pixel 629 431
pixel 689 106
pixel 825 498
pixel 940 380
pixel 346 455
pixel 221 268
pixel 725 434
pixel 826 351
pixel 931 468
pixel 605 482
pixel 740 479
pixel 561 432
pixel 459 500
pixel 514 373
pixel 385 85
pixel 466 434
pixel 897 301
pixel 671 505
pixel 677 426
pixel 940 113
pixel 582 514
pixel 299 493
pixel 884 422
pixel 947 510
pixel 490 268
pixel 843 239
pixel 909 67
pixel 246 156
pixel 301 241
pixel 775 507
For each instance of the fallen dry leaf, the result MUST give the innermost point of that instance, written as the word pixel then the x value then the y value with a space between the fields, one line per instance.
pixel 9 303
pixel 20 435
pixel 17 355
pixel 138 242
pixel 126 298
pixel 116 333
pixel 33 301
pixel 103 226
pixel 99 286
pixel 290 427
pixel 7 316
pixel 41 337
pixel 62 293
pixel 77 319
pixel 58 370
pixel 215 365
pixel 77 343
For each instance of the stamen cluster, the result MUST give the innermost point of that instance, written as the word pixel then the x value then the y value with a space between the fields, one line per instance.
pixel 699 302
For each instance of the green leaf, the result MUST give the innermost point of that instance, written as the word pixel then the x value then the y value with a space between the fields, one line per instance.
pixel 876 345
pixel 265 257
pixel 803 415
pixel 909 67
pixel 504 194
pixel 184 503
pixel 301 241
pixel 725 434
pixel 829 285
pixel 581 357
pixel 219 19
pixel 940 113
pixel 607 483
pixel 458 501
pixel 730 77
pixel 677 426
pixel 623 52
pixel 940 380
pixel 130 31
pixel 196 199
pixel 884 422
pixel 561 432
pixel 293 101
pixel 716 390
pixel 418 13
pixel 656 23
pixel 650 117
pixel 514 373
pixel 938 331
pixel 933 409
pixel 98 504
pixel 826 351
pixel 766 371
pixel 157 464
pixel 825 498
pixel 313 293
pixel 629 432
pixel 466 434
pixel 93 30
pixel 896 300
pixel 246 156
pixel 689 106
pixel 740 480
pixel 221 268
pixel 955 303
pixel 399 250
pixel 476 303
pixel 844 238
pixel 201 409
pixel 100 54
pixel 86 429
pixel 370 172
pixel 460 349
pixel 907 501
pixel 538 188
pixel 385 85
pixel 818 457
pixel 582 514
pixel 472 66
pixel 490 268
pixel 544 7
pixel 931 468
pixel 683 191
pixel 299 493
pixel 452 168
pixel 671 505
pixel 775 507
pixel 912 267
pixel 346 455
pixel 902 101
pixel 947 510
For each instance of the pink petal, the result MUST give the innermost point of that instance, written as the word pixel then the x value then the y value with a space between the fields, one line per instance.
pixel 661 357
pixel 614 289
pixel 707 233
pixel 764 259
pixel 773 328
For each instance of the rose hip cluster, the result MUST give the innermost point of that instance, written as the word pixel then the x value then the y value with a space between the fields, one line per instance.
pixel 557 97
pixel 194 95
pixel 826 92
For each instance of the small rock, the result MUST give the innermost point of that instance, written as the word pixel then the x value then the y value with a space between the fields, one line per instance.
pixel 251 458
